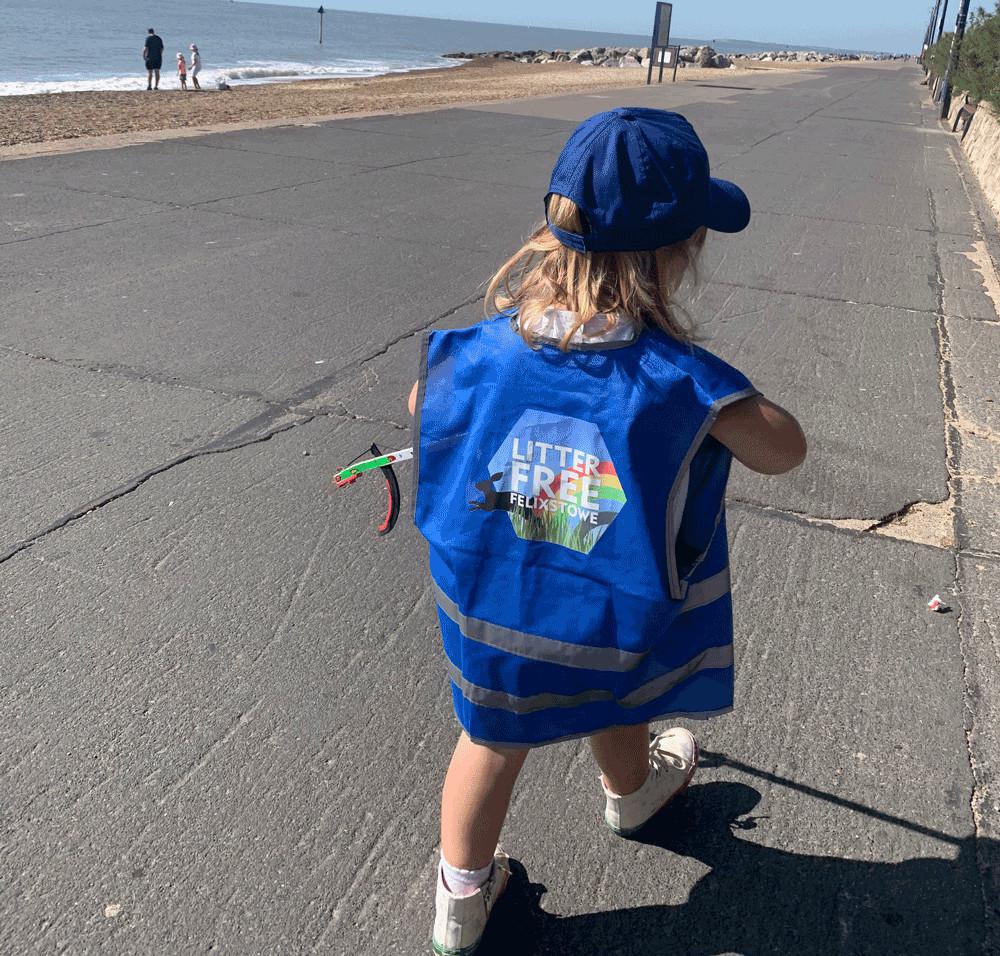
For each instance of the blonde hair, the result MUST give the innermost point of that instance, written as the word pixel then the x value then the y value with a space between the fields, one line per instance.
pixel 639 285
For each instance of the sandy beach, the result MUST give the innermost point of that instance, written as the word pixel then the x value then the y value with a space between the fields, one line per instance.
pixel 57 117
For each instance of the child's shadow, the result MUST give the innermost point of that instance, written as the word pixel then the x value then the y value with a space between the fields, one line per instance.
pixel 761 900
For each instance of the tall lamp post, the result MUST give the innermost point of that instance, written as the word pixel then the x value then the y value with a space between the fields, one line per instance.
pixel 944 13
pixel 929 32
pixel 321 11
pixel 956 46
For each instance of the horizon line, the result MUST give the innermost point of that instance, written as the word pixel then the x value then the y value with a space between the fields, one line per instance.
pixel 766 45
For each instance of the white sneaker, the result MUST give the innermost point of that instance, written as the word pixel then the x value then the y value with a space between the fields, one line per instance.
pixel 460 920
pixel 673 757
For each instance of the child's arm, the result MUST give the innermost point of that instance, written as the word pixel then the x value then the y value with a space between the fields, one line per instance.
pixel 761 435
pixel 411 402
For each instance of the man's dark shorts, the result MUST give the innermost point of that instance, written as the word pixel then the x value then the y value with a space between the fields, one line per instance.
pixel 154 64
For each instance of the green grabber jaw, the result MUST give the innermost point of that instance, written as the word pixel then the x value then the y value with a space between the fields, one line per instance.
pixel 350 474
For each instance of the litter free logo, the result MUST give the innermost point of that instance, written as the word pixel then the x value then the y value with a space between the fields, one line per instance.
pixel 556 480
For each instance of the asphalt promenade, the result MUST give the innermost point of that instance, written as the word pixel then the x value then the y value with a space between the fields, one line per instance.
pixel 224 717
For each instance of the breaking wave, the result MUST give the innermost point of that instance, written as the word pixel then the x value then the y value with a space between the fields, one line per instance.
pixel 238 75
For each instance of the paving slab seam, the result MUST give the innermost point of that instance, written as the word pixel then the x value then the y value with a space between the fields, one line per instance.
pixel 137 375
pixel 867 119
pixel 363 167
pixel 220 147
pixel 795 123
pixel 977 554
pixel 259 192
pixel 65 187
pixel 141 375
pixel 951 317
pixel 62 232
pixel 981 782
pixel 321 230
pixel 946 382
pixel 855 222
pixel 168 203
pixel 953 445
pixel 412 162
pixel 549 127
pixel 533 190
pixel 823 298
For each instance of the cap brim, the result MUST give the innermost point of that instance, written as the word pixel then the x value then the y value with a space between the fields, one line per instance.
pixel 729 208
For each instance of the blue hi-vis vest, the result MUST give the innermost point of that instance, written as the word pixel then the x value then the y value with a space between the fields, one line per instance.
pixel 573 503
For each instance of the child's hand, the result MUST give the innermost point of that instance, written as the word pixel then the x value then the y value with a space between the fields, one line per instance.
pixel 411 402
pixel 761 435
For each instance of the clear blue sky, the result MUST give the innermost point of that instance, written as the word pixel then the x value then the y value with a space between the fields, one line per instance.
pixel 891 25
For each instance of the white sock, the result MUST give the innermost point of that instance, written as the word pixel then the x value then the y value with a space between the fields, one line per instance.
pixel 463 882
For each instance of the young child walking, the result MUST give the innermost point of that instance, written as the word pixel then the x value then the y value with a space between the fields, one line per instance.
pixel 572 454
pixel 182 71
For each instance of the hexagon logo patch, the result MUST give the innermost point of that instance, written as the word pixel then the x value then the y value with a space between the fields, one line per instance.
pixel 554 477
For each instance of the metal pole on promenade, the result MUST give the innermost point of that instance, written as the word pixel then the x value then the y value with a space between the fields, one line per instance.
pixel 944 13
pixel 956 46
pixel 929 34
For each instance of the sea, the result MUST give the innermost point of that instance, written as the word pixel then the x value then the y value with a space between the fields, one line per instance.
pixel 53 46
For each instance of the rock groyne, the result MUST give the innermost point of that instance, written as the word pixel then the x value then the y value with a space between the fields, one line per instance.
pixel 701 56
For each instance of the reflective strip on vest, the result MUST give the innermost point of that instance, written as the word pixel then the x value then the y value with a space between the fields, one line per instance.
pixel 712 658
pixel 566 653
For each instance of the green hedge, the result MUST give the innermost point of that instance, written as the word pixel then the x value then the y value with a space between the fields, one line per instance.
pixel 978 71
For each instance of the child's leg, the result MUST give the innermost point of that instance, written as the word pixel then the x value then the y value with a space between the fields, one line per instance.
pixel 477 791
pixel 622 753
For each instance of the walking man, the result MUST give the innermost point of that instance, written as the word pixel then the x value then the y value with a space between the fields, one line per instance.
pixel 152 53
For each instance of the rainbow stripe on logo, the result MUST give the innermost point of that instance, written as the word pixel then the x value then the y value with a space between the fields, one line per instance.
pixel 611 488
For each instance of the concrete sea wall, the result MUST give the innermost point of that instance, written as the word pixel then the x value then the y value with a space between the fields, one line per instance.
pixel 981 144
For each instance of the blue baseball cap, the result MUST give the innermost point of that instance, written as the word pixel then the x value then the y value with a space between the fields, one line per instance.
pixel 640 178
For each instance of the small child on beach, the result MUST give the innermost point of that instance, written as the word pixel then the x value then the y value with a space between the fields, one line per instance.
pixel 572 455
pixel 182 71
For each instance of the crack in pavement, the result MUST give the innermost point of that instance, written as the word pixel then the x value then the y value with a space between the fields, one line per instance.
pixel 856 527
pixel 478 297
pixel 273 420
pixel 345 412
pixel 216 447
